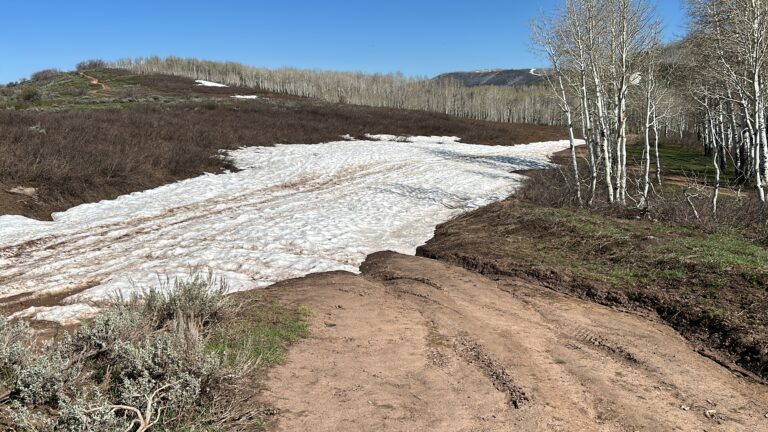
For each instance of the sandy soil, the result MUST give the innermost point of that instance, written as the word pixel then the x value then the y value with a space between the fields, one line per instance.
pixel 417 344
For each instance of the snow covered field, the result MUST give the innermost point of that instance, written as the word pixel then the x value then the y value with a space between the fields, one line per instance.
pixel 292 210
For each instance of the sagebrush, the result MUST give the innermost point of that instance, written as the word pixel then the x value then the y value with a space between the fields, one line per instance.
pixel 140 364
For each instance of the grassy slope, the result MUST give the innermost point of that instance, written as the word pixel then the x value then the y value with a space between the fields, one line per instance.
pixel 259 331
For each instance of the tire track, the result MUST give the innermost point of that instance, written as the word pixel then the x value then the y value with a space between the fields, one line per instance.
pixel 60 252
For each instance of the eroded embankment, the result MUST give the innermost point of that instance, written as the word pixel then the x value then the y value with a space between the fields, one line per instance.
pixel 708 286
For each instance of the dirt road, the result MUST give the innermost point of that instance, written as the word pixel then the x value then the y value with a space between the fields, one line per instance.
pixel 416 344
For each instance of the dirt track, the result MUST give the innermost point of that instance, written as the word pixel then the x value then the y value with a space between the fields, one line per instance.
pixel 95 81
pixel 416 344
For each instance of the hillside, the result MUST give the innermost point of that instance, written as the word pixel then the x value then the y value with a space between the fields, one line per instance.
pixel 498 77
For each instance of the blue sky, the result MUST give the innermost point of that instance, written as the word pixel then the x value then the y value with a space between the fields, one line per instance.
pixel 418 38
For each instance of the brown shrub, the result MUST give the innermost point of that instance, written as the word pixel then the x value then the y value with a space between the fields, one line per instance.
pixel 91 65
pixel 29 94
pixel 45 74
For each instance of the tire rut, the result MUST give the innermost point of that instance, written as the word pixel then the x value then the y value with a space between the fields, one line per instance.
pixel 474 354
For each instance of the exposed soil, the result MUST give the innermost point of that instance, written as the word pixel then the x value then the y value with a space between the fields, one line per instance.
pixel 418 344
pixel 95 81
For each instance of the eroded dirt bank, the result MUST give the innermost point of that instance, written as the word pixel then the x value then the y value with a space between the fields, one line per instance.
pixel 417 344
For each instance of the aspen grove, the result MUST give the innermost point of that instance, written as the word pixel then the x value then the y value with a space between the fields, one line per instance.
pixel 494 103
pixel 613 76
pixel 603 56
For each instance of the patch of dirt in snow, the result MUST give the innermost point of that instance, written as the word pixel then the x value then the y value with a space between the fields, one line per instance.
pixel 290 211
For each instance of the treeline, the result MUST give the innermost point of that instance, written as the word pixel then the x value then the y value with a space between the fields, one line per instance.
pixel 493 103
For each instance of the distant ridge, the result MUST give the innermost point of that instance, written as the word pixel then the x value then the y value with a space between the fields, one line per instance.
pixel 496 77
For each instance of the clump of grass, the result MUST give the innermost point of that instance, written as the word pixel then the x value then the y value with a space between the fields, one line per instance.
pixel 259 332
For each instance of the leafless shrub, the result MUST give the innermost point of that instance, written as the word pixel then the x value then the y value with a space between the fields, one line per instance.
pixel 90 65
pixel 552 187
pixel 45 74
pixel 692 205
pixel 689 205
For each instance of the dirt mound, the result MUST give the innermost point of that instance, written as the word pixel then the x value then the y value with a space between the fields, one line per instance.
pixel 417 344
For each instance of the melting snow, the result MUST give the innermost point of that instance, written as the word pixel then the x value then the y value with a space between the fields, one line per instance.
pixel 292 210
pixel 65 314
pixel 204 83
pixel 245 97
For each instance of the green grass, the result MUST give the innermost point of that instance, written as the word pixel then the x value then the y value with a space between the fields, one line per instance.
pixel 721 251
pixel 683 161
pixel 260 333
pixel 634 252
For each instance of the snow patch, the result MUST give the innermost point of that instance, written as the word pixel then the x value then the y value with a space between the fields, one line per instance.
pixel 414 139
pixel 204 83
pixel 245 97
pixel 65 315
pixel 291 210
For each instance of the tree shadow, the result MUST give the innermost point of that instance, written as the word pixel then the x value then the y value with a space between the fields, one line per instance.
pixel 508 163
